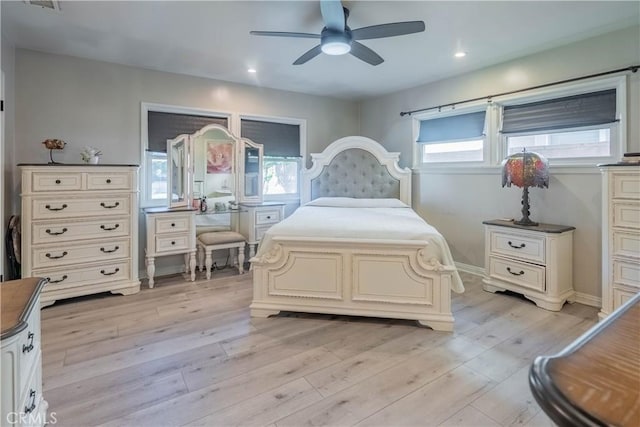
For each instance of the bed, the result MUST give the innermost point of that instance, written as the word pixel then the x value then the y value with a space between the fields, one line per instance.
pixel 355 247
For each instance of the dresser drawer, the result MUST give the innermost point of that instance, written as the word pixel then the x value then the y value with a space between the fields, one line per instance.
pixel 74 253
pixel 626 214
pixel 172 224
pixel 65 231
pixel 267 216
pixel 626 244
pixel 627 273
pixel 109 181
pixel 31 391
pixel 513 245
pixel 171 243
pixel 519 273
pixel 52 181
pixel 29 346
pixel 626 186
pixel 623 294
pixel 61 278
pixel 52 208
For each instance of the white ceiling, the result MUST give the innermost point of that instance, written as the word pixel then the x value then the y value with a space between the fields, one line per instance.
pixel 211 38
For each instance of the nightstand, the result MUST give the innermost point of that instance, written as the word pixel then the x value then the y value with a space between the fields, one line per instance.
pixel 535 261
pixel 256 219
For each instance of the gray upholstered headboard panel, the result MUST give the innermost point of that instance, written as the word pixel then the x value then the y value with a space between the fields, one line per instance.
pixel 355 173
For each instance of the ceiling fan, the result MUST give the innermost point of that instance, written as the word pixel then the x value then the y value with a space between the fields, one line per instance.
pixel 337 38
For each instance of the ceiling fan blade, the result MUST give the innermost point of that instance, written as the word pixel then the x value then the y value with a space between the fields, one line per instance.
pixel 362 52
pixel 332 14
pixel 310 54
pixel 284 34
pixel 388 30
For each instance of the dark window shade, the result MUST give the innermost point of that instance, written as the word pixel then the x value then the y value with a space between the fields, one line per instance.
pixel 452 128
pixel 278 139
pixel 163 126
pixel 588 109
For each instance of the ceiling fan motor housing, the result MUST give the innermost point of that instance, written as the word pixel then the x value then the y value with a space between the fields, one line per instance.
pixel 336 42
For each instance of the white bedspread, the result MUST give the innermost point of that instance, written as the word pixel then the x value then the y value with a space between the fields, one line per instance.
pixel 394 223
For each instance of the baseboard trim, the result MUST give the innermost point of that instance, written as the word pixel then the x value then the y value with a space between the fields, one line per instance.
pixel 471 269
pixel 587 299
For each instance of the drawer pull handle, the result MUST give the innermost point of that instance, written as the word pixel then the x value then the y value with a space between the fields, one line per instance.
pixel 515 274
pixel 520 246
pixel 56 209
pixel 105 228
pixel 109 274
pixel 32 396
pixel 28 348
pixel 55 233
pixel 268 216
pixel 108 181
pixel 110 206
pixel 173 224
pixel 108 251
pixel 57 281
pixel 48 255
pixel 58 181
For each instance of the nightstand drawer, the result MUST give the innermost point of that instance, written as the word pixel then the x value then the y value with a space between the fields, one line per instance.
pixel 260 232
pixel 172 224
pixel 268 216
pixel 626 214
pixel 626 243
pixel 522 274
pixel 519 246
pixel 171 243
pixel 626 186
pixel 626 273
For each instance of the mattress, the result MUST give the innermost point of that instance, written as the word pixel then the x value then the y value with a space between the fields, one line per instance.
pixel 379 219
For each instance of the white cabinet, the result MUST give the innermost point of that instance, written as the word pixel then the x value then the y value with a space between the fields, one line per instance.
pixel 80 229
pixel 21 400
pixel 170 232
pixel 620 235
pixel 535 261
pixel 256 219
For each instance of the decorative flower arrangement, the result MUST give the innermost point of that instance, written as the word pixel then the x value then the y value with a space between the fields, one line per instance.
pixel 90 154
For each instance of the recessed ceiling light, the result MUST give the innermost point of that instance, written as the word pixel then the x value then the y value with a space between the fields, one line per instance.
pixel 460 54
pixel 252 70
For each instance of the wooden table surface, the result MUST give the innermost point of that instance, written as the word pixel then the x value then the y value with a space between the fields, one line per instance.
pixel 596 380
pixel 17 298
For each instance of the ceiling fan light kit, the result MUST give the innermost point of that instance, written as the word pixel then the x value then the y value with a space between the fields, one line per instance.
pixel 337 38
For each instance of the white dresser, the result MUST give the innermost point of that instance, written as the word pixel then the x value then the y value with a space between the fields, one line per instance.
pixel 535 261
pixel 170 232
pixel 21 400
pixel 80 229
pixel 620 235
pixel 256 218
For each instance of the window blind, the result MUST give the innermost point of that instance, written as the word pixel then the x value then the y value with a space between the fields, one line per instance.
pixel 163 126
pixel 452 128
pixel 589 109
pixel 278 139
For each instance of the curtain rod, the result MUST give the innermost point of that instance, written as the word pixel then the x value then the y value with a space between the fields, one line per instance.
pixel 632 68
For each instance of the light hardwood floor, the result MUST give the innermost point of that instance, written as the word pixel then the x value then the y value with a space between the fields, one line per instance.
pixel 188 353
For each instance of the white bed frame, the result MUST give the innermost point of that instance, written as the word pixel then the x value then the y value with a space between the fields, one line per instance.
pixel 363 277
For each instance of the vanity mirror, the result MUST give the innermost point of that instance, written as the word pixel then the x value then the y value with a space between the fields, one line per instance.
pixel 178 179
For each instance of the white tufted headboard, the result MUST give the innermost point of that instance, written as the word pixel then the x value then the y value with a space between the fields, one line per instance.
pixel 359 167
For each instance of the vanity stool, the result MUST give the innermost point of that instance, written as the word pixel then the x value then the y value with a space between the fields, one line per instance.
pixel 215 240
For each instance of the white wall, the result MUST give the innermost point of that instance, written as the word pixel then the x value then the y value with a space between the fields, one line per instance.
pixel 457 204
pixel 85 102
pixel 7 159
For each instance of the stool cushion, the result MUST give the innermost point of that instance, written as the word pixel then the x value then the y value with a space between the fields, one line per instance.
pixel 220 237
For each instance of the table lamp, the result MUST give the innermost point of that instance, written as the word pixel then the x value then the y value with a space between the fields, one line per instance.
pixel 53 144
pixel 524 170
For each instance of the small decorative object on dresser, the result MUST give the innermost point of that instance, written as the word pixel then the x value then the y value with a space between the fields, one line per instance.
pixel 80 228
pixel 53 144
pixel 620 234
pixel 91 155
pixel 535 261
pixel 524 170
pixel 21 400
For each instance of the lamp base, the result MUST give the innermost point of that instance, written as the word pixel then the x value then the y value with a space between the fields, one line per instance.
pixel 526 222
pixel 525 210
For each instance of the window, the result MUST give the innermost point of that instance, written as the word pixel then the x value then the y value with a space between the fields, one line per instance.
pixel 160 123
pixel 574 127
pixel 282 141
pixel 452 138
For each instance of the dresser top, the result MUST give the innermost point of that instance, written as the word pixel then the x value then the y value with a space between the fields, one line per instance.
pixel 54 165
pixel 17 299
pixel 543 228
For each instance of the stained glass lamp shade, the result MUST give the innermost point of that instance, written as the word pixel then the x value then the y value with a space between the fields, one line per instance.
pixel 524 170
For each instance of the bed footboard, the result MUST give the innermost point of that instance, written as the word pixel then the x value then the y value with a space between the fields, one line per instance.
pixel 391 279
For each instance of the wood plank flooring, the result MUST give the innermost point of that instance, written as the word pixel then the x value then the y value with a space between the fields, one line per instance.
pixel 189 354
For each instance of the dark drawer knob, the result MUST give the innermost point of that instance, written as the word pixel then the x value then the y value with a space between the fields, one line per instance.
pixel 64 206
pixel 108 251
pixel 173 224
pixel 57 281
pixel 48 255
pixel 58 181
pixel 173 243
pixel 109 274
pixel 55 233
pixel 27 348
pixel 115 205
pixel 108 181
pixel 105 228
pixel 514 273
pixel 269 217
pixel 520 246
